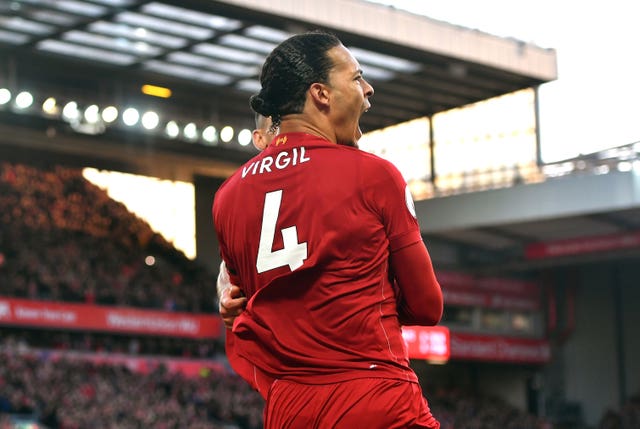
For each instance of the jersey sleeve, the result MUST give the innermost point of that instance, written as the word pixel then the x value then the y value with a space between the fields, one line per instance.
pixel 420 297
pixel 420 300
pixel 395 204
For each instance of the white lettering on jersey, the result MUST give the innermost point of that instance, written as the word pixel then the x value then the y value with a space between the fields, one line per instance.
pixel 266 164
pixel 283 160
pixel 293 253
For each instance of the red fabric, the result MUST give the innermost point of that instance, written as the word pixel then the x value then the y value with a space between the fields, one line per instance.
pixel 253 375
pixel 420 299
pixel 366 403
pixel 334 317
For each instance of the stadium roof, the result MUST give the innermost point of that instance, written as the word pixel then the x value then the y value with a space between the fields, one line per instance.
pixel 210 52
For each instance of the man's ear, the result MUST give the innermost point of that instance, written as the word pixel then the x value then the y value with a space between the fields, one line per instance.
pixel 259 140
pixel 320 94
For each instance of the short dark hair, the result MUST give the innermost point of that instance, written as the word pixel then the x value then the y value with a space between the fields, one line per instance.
pixel 259 118
pixel 289 71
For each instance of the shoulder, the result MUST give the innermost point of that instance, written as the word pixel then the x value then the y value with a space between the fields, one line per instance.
pixel 226 188
pixel 377 166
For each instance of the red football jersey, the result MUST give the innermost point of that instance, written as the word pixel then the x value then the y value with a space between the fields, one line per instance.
pixel 306 229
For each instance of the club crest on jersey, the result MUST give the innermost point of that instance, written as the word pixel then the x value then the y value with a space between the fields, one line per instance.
pixel 281 140
pixel 284 159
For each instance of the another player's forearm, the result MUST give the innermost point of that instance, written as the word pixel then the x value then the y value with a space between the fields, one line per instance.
pixel 223 280
pixel 420 299
pixel 231 302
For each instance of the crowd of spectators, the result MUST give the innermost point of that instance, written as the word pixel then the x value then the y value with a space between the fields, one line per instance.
pixel 65 394
pixel 96 342
pixel 64 239
pixel 69 394
pixel 457 409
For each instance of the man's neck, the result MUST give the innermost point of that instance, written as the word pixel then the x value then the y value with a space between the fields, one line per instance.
pixel 300 123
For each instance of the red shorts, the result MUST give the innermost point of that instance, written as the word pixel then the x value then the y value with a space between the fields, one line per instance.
pixel 365 403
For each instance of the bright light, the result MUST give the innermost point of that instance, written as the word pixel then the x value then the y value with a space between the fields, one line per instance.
pixel 172 129
pixel 49 106
pixel 143 47
pixel 156 91
pixel 70 111
pixel 244 137
pixel 209 134
pixel 191 131
pixel 625 166
pixel 150 261
pixel 92 114
pixel 109 114
pixel 24 100
pixel 150 120
pixel 130 116
pixel 5 96
pixel 147 197
pixel 226 134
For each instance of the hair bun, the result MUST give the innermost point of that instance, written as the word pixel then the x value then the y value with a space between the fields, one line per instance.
pixel 259 105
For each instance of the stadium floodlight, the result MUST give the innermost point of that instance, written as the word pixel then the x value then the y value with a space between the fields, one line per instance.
pixel 244 137
pixel 24 100
pixel 130 116
pixel 5 96
pixel 172 129
pixel 70 111
pixel 92 114
pixel 50 106
pixel 209 134
pixel 226 134
pixel 109 114
pixel 156 91
pixel 150 120
pixel 191 131
pixel 625 166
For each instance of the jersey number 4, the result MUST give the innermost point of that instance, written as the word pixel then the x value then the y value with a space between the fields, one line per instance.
pixel 292 254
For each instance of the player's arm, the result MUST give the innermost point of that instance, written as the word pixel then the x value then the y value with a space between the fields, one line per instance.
pixel 419 295
pixel 231 301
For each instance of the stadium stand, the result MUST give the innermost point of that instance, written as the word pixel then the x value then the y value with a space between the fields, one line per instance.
pixel 63 239
pixel 69 394
pixel 65 393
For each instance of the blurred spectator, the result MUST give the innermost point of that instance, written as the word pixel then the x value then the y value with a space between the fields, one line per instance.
pixel 610 420
pixel 630 414
pixel 461 410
